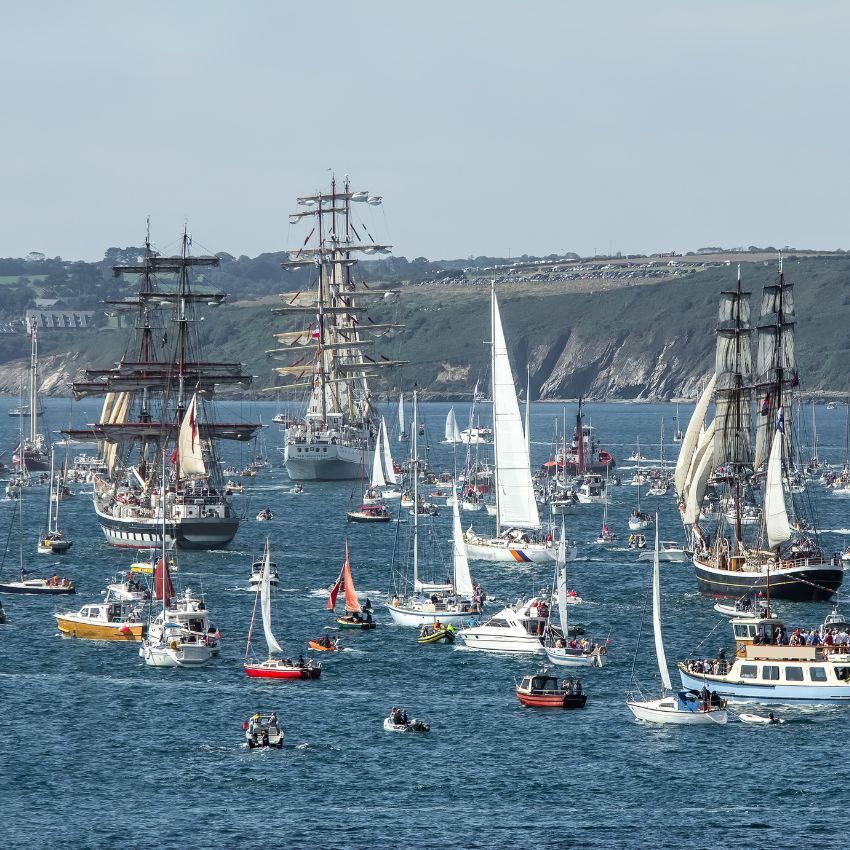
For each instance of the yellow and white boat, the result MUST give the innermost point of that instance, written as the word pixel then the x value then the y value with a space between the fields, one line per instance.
pixel 114 620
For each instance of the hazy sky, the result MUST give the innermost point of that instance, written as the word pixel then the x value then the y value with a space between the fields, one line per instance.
pixel 488 127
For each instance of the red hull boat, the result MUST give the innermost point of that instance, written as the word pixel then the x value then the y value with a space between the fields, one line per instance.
pixel 275 670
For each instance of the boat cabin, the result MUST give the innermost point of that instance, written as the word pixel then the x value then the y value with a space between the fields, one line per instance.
pixel 540 683
pixel 754 631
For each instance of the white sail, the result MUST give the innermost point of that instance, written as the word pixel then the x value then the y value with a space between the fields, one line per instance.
pixel 704 439
pixel 656 617
pixel 775 515
pixel 696 490
pixel 689 441
pixel 401 414
pixel 377 460
pixel 463 580
pixel 266 603
pixel 189 451
pixel 562 581
pixel 389 467
pixel 452 431
pixel 515 502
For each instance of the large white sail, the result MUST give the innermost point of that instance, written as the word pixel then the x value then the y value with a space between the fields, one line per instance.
pixel 378 479
pixel 562 581
pixel 190 453
pixel 656 617
pixel 696 489
pixel 515 503
pixel 463 580
pixel 689 441
pixel 401 414
pixel 389 467
pixel 704 439
pixel 266 603
pixel 775 514
pixel 452 431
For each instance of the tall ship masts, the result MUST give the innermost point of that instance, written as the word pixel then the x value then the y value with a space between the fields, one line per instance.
pixel 31 454
pixel 157 396
pixel 330 356
pixel 754 547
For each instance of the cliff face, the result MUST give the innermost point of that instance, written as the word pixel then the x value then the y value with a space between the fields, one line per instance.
pixel 635 342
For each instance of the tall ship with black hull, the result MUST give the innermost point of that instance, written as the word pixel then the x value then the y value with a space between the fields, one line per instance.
pixel 765 544
pixel 157 398
pixel 328 358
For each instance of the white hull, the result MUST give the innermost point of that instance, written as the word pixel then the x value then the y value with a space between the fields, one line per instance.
pixel 185 655
pixel 638 524
pixel 572 658
pixel 416 618
pixel 496 550
pixel 489 642
pixel 780 693
pixel 664 711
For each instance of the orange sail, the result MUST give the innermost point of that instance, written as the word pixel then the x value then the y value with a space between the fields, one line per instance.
pixel 351 603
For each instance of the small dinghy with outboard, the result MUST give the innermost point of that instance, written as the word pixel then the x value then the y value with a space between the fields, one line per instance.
pixel 262 731
pixel 770 720
pixel 438 633
pixel 398 721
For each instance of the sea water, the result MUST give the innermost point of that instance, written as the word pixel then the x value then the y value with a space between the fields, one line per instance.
pixel 98 750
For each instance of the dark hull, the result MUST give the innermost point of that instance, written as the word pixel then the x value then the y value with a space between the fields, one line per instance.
pixel 213 533
pixel 815 583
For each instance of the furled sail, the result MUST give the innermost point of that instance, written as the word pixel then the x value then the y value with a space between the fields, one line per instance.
pixel 463 580
pixel 189 448
pixel 656 617
pixel 775 514
pixel 389 467
pixel 266 603
pixel 689 441
pixel 401 414
pixel 515 502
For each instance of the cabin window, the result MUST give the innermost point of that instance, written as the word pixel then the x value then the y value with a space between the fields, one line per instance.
pixel 842 673
pixel 817 674
pixel 748 671
pixel 741 632
pixel 502 624
pixel 793 674
pixel 770 672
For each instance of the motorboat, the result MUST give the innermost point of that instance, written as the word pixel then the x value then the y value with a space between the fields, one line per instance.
pixel 637 541
pixel 669 551
pixel 38 586
pixel 743 607
pixel 265 515
pixel 103 621
pixel 639 521
pixel 188 614
pixel 398 721
pixel 688 707
pixel 53 543
pixel 324 644
pixel 591 489
pixel 257 574
pixel 438 633
pixel 516 628
pixel 263 730
pixel 542 690
pixel 760 719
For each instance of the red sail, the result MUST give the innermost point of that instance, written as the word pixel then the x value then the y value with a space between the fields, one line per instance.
pixel 162 579
pixel 351 603
pixel 334 593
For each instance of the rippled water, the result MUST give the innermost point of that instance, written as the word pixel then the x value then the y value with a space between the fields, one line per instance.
pixel 96 750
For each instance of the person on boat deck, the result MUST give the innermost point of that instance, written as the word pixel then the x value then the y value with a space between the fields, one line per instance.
pixel 437 624
pixel 300 660
pixel 567 685
pixel 55 580
pixel 577 688
pixel 573 644
pixel 423 632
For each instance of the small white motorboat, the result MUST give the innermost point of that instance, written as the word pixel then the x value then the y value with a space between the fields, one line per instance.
pixel 263 730
pixel 265 515
pixel 770 720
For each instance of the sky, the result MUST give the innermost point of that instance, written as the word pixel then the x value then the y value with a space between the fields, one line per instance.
pixel 488 127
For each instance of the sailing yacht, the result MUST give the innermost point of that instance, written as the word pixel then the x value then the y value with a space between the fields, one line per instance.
pixel 53 541
pixel 685 708
pixel 30 455
pixel 148 405
pixel 452 602
pixel 734 559
pixel 452 432
pixel 605 535
pixel 336 439
pixel 638 520
pixel 356 616
pixel 563 650
pixel 517 520
pixel 272 667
